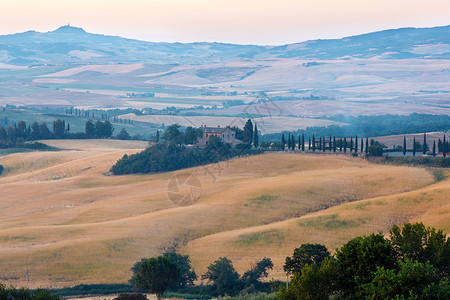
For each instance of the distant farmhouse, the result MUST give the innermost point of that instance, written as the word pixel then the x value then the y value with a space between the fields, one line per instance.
pixel 227 135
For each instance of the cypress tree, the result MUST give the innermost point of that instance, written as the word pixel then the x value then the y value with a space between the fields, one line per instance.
pixel 340 145
pixel 345 145
pixel 424 144
pixel 320 143
pixel 351 144
pixel 404 145
pixel 323 144
pixel 314 143
pixel 329 148
pixel 356 144
pixel 334 144
pixel 289 142
pixel 283 141
pixel 157 136
pixel 309 144
pixel 362 145
pixel 299 142
pixel 293 143
pixel 414 146
pixel 367 145
pixel 434 148
pixel 444 146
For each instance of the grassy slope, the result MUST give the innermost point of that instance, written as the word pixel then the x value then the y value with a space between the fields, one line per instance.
pixel 64 222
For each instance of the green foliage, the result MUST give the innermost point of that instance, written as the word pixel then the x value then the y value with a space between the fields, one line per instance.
pixel 1 169
pixel 12 293
pixel 422 244
pixel 156 275
pixel 375 151
pixel 173 135
pixel 191 135
pixel 123 135
pixel 95 289
pixel 305 254
pixel 224 277
pixel 314 282
pixel 258 271
pixel 359 259
pixel 413 280
pixel 412 264
pixel 248 132
pixel 187 274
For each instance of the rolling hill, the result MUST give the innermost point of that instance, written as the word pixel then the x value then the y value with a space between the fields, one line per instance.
pixel 65 220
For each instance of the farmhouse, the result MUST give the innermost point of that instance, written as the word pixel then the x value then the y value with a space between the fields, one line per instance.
pixel 227 135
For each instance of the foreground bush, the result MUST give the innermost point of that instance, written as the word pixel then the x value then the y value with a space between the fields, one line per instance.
pixel 12 293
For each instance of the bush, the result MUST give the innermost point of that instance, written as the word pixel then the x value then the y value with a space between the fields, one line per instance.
pixel 1 169
pixel 131 296
pixel 375 151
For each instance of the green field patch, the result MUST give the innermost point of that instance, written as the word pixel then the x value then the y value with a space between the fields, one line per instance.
pixel 439 175
pixel 330 222
pixel 269 237
pixel 8 238
pixel 262 200
pixel 118 245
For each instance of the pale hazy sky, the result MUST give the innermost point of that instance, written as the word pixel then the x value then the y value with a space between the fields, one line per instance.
pixel 233 21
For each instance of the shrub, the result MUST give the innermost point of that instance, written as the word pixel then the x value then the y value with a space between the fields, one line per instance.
pixel 131 296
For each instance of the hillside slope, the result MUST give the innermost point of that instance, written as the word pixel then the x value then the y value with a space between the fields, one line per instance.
pixel 65 221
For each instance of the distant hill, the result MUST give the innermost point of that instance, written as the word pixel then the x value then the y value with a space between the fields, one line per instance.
pixel 70 44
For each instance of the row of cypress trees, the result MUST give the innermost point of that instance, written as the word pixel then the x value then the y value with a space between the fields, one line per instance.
pixel 358 145
pixel 332 144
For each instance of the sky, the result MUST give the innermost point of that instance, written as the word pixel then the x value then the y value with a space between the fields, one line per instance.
pixel 266 22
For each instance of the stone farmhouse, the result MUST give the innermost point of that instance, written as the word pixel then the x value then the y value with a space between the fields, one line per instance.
pixel 227 135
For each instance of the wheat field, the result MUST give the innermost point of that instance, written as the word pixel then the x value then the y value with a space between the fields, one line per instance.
pixel 65 220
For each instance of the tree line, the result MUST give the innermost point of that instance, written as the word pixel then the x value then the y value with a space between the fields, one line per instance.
pixel 412 263
pixel 354 145
pixel 372 126
pixel 20 133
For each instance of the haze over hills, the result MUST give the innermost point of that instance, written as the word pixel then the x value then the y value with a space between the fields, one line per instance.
pixel 70 44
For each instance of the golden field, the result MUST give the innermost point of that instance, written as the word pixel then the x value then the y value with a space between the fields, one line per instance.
pixel 65 220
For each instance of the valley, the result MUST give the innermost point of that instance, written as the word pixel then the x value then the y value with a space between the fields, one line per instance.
pixel 67 221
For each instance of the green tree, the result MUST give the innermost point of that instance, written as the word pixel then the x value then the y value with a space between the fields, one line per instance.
pixel 257 272
pixel 345 144
pixel 191 134
pixel 305 254
pixel 414 146
pixel 303 142
pixel 173 135
pixel 425 146
pixel 283 141
pixel 187 274
pixel 367 145
pixel 359 259
pixel 314 143
pixel 413 280
pixel 248 132
pixel 423 244
pixel 157 136
pixel 255 137
pixel 434 148
pixel 404 145
pixel 156 275
pixel 375 151
pixel 58 129
pixel 123 135
pixel 315 282
pixel 44 132
pixel 224 277
pixel 89 129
